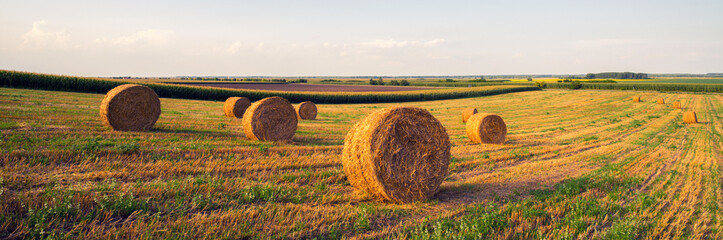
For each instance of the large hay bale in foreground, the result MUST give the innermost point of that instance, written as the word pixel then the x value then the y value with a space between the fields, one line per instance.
pixel 661 101
pixel 676 105
pixel 636 99
pixel 130 107
pixel 468 112
pixel 306 111
pixel 399 154
pixel 486 128
pixel 270 119
pixel 690 117
pixel 236 106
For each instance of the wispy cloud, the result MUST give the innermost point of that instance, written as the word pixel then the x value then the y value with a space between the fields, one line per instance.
pixel 40 39
pixel 151 37
pixel 607 42
pixel 391 43
pixel 239 47
pixel 433 43
pixel 234 48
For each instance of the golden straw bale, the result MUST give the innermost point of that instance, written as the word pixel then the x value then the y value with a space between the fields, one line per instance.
pixel 270 119
pixel 398 154
pixel 236 106
pixel 636 99
pixel 661 101
pixel 306 110
pixel 130 107
pixel 676 105
pixel 690 117
pixel 486 128
pixel 468 112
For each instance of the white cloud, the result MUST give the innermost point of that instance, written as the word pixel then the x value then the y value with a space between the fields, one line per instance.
pixel 433 43
pixel 38 38
pixel 390 43
pixel 247 47
pixel 151 37
pixel 234 48
pixel 606 42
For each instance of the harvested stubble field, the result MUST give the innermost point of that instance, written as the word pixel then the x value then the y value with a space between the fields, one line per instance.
pixel 576 164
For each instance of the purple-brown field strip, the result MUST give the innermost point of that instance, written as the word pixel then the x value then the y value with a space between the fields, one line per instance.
pixel 310 87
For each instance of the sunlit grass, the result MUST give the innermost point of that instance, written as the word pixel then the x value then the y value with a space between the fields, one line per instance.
pixel 577 164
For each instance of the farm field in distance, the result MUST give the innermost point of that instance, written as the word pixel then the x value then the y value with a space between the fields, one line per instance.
pixel 679 80
pixel 302 87
pixel 576 164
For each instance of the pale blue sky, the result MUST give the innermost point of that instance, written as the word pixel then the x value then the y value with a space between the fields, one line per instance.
pixel 302 38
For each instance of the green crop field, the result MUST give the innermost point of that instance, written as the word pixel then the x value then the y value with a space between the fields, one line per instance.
pixel 576 164
pixel 678 80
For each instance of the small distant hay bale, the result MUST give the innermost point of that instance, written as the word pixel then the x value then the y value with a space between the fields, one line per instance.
pixel 398 154
pixel 661 101
pixel 636 99
pixel 486 128
pixel 690 117
pixel 468 112
pixel 306 111
pixel 270 119
pixel 236 106
pixel 130 107
pixel 676 105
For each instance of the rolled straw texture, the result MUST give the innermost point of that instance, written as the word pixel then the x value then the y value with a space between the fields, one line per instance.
pixel 468 112
pixel 306 111
pixel 398 154
pixel 270 119
pixel 486 128
pixel 130 107
pixel 690 117
pixel 236 106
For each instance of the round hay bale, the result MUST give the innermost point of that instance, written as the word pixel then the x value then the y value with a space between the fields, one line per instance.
pixel 690 117
pixel 398 154
pixel 468 112
pixel 270 119
pixel 306 110
pixel 486 128
pixel 636 99
pixel 676 105
pixel 661 101
pixel 236 106
pixel 130 107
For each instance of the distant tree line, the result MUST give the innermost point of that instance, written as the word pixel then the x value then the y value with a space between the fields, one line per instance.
pixel 330 81
pixel 617 75
pixel 380 81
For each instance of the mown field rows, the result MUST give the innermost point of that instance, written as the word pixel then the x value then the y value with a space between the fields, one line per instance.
pixel 577 164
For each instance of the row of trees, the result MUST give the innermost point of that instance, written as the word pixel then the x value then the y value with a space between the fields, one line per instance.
pixel 617 75
pixel 380 81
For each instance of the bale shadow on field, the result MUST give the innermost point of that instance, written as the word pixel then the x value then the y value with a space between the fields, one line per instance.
pixel 470 193
pixel 306 141
pixel 194 131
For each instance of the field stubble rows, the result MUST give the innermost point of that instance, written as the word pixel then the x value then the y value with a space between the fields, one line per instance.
pixel 576 164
